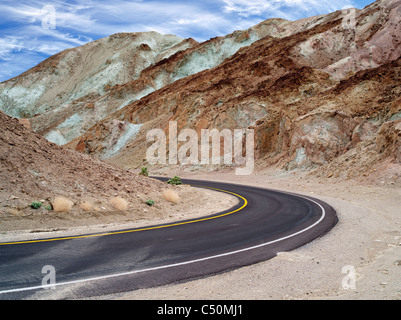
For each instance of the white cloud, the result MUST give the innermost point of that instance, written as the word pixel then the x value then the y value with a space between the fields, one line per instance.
pixel 246 7
pixel 185 19
pixel 16 64
pixel 289 9
pixel 8 45
pixel 58 36
pixel 32 12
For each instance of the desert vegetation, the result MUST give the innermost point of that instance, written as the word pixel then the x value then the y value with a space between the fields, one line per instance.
pixel 62 204
pixel 171 196
pixel 119 203
pixel 175 181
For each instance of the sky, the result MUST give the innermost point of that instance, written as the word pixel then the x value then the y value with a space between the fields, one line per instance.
pixel 33 30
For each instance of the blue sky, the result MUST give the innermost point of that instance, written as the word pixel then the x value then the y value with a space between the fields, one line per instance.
pixel 33 30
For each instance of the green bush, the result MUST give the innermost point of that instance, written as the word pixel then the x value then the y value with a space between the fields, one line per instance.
pixel 36 205
pixel 175 181
pixel 144 172
pixel 150 202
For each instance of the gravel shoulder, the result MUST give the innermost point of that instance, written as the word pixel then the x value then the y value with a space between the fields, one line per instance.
pixel 42 224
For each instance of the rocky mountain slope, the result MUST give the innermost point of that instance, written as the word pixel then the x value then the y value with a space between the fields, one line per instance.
pixel 57 93
pixel 321 93
pixel 70 92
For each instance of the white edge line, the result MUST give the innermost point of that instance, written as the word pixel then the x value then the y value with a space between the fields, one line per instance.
pixel 52 286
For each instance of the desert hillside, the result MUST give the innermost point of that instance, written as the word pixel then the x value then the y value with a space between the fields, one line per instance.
pixel 323 97
pixel 33 168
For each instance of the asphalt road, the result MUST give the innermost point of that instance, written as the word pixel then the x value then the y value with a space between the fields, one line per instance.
pixel 264 223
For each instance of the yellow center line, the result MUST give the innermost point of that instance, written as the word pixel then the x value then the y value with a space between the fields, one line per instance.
pixel 141 229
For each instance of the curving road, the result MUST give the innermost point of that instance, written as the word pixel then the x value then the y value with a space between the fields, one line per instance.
pixel 264 223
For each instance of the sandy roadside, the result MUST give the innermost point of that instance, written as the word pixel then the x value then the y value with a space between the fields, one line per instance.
pixel 366 240
pixel 193 203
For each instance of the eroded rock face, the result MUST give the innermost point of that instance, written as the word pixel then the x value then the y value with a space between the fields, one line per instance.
pixel 320 138
pixel 365 39
pixel 388 141
pixel 313 90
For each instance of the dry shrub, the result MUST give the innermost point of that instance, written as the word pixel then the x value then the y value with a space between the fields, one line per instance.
pixel 86 206
pixel 13 212
pixel 61 204
pixel 171 196
pixel 119 203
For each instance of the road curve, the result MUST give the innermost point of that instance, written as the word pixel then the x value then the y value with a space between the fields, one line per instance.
pixel 264 223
